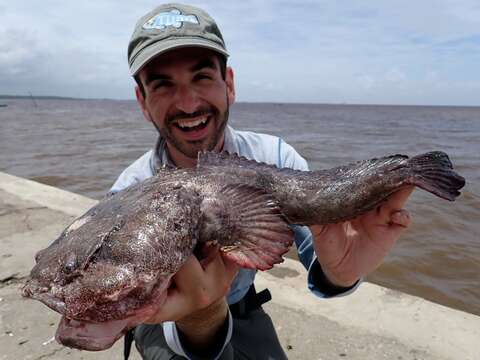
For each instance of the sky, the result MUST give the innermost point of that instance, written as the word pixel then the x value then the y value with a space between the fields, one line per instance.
pixel 352 51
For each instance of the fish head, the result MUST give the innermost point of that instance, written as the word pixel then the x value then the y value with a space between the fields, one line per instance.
pixel 55 266
pixel 99 298
pixel 112 266
pixel 97 265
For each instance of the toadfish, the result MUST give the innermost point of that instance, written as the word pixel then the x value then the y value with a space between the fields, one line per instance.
pixel 111 268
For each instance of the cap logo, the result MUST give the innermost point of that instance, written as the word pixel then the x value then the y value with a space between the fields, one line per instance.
pixel 171 18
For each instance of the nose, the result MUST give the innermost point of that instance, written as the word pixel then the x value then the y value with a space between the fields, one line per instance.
pixel 187 99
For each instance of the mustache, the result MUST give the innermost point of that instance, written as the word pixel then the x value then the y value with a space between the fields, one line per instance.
pixel 184 115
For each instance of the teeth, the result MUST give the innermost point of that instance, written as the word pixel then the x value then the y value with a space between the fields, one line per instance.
pixel 190 124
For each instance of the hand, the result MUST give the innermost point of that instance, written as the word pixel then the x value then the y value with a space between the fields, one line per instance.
pixel 352 249
pixel 197 285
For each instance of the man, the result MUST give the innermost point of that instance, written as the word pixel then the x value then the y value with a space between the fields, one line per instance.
pixel 184 87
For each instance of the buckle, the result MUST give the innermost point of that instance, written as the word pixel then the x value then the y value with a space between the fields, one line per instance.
pixel 251 301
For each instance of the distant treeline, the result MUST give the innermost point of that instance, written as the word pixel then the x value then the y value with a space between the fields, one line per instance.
pixel 35 97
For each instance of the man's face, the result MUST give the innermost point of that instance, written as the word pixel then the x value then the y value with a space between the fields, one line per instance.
pixel 187 99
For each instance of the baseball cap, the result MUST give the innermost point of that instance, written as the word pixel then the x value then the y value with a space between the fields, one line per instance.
pixel 171 26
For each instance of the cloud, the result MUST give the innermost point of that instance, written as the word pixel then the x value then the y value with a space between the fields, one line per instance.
pixel 395 76
pixel 306 51
pixel 19 49
pixel 366 82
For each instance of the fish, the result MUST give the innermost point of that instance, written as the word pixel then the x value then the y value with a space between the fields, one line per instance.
pixel 110 269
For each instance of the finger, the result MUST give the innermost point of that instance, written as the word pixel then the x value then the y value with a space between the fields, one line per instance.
pixel 196 286
pixel 192 291
pixel 328 234
pixel 215 264
pixel 217 277
pixel 382 215
pixel 171 308
pixel 209 252
pixel 318 230
pixel 174 308
pixel 397 200
pixel 400 218
pixel 399 221
pixel 189 274
pixel 231 267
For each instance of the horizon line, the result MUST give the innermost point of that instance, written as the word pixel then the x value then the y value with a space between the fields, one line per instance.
pixel 59 97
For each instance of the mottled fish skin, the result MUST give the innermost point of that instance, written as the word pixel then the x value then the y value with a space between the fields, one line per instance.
pixel 341 193
pixel 111 267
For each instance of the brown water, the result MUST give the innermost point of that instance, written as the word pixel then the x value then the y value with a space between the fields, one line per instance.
pixel 82 145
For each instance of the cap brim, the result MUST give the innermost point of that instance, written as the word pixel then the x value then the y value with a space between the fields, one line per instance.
pixel 147 54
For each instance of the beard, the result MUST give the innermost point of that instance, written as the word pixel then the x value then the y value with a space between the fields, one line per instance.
pixel 191 148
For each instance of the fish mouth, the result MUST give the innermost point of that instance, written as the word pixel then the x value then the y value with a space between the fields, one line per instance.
pixel 34 290
pixel 100 325
pixel 124 302
pixel 90 336
pixel 97 336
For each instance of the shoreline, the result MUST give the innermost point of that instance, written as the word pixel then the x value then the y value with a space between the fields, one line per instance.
pixel 240 102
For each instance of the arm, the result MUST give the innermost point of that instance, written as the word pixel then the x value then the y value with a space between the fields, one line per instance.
pixel 196 302
pixel 204 332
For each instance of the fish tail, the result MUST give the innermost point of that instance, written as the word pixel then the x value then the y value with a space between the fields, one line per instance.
pixel 248 226
pixel 434 172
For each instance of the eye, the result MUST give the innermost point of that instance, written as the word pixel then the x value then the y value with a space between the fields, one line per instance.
pixel 70 264
pixel 159 84
pixel 69 267
pixel 203 76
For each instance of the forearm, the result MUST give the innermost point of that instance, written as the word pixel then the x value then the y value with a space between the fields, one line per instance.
pixel 205 328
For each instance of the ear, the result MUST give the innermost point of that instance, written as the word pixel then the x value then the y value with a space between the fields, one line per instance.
pixel 230 86
pixel 141 102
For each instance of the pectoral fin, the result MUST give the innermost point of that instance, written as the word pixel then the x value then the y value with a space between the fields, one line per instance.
pixel 247 224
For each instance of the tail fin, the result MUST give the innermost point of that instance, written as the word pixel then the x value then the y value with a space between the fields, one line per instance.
pixel 433 172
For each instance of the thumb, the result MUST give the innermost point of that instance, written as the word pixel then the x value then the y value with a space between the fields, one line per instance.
pixel 398 199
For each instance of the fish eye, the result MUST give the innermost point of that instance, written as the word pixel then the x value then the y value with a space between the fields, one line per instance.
pixel 70 264
pixel 69 267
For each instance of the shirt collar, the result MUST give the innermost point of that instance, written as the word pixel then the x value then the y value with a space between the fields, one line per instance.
pixel 162 159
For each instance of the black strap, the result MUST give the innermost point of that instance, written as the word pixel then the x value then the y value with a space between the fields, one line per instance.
pixel 127 345
pixel 324 285
pixel 251 301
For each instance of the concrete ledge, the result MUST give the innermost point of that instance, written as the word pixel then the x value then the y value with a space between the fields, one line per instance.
pixel 372 323
pixel 45 195
pixel 417 323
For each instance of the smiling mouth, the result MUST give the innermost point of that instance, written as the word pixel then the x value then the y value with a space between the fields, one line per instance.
pixel 191 125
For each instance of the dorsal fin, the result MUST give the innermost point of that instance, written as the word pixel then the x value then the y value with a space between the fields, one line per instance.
pixel 165 168
pixel 208 159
